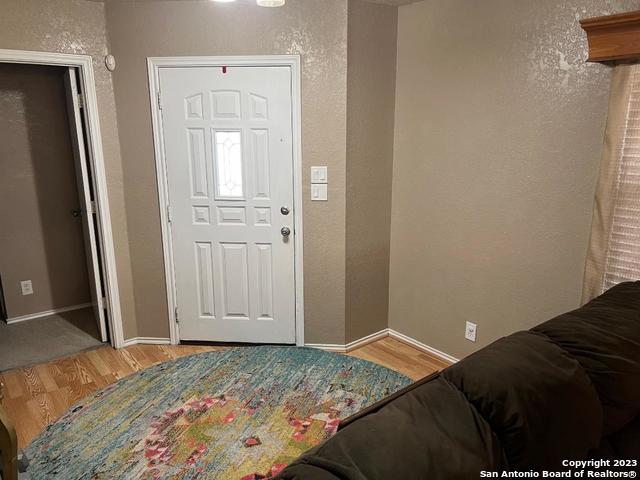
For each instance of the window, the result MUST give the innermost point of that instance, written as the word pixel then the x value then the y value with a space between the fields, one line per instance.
pixel 228 163
pixel 614 250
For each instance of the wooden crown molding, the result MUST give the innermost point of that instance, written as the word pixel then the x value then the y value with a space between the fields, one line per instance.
pixel 613 37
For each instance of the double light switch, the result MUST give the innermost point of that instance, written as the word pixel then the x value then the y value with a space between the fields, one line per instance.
pixel 319 180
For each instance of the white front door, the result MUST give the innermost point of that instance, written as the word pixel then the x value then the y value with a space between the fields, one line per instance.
pixel 229 157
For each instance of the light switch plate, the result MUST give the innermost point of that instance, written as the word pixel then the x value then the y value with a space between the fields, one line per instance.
pixel 27 287
pixel 319 175
pixel 319 192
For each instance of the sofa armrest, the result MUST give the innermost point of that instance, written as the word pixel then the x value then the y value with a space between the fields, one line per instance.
pixel 381 403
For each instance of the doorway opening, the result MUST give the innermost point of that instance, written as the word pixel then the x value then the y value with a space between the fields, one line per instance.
pixel 56 260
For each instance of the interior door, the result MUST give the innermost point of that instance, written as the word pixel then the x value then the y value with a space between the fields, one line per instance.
pixel 84 193
pixel 229 155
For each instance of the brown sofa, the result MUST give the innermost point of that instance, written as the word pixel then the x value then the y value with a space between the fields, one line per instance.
pixel 568 389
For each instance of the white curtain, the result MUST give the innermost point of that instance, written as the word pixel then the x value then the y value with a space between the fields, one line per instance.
pixel 614 249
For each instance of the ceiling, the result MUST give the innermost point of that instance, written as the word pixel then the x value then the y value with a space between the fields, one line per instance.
pixel 394 2
pixel 385 2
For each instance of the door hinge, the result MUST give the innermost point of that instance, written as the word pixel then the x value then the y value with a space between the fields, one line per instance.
pixel 159 99
pixel 169 218
pixel 80 100
pixel 92 207
pixel 175 311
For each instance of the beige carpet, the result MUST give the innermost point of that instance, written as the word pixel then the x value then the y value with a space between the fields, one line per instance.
pixel 36 341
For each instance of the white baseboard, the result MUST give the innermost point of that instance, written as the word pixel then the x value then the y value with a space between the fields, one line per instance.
pixel 147 341
pixel 387 332
pixel 332 347
pixel 401 337
pixel 361 342
pixel 46 313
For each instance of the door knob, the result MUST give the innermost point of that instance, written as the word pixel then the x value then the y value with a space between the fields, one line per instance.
pixel 285 231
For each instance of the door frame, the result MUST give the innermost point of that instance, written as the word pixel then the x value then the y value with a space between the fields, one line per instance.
pixel 154 64
pixel 84 64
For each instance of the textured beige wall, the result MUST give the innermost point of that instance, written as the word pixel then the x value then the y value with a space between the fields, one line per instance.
pixel 78 26
pixel 39 240
pixel 315 29
pixel 371 79
pixel 499 128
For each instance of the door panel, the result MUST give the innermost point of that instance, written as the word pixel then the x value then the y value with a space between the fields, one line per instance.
pixel 235 280
pixel 263 273
pixel 229 156
pixel 204 267
pixel 198 161
pixel 84 194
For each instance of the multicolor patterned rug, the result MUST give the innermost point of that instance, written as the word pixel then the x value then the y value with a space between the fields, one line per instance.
pixel 242 413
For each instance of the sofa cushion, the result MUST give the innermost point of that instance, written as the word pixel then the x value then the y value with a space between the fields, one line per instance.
pixel 604 336
pixel 622 445
pixel 429 432
pixel 626 442
pixel 535 396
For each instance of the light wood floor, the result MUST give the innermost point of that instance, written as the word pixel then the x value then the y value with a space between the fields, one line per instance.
pixel 35 396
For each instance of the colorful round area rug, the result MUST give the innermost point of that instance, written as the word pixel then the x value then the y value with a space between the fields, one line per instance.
pixel 242 413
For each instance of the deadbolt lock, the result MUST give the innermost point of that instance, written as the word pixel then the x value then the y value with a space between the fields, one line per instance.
pixel 284 210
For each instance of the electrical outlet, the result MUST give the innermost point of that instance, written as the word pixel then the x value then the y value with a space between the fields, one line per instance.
pixel 27 287
pixel 470 331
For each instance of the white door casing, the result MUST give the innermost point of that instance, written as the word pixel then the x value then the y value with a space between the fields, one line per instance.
pixel 229 147
pixel 84 195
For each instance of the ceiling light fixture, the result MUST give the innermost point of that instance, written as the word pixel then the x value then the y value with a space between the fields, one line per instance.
pixel 271 3
pixel 224 1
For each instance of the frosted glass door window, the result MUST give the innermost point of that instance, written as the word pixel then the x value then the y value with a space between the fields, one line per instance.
pixel 228 159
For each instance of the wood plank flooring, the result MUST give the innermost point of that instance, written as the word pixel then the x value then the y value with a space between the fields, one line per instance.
pixel 35 396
